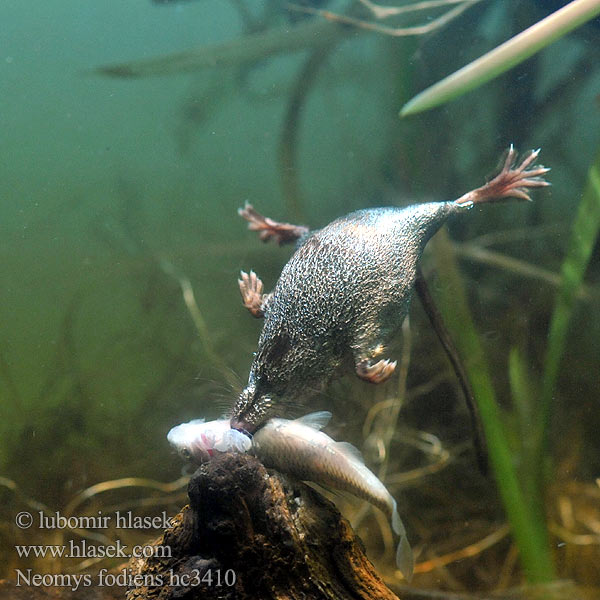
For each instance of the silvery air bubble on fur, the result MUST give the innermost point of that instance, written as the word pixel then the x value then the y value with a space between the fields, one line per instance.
pixel 199 439
pixel 300 449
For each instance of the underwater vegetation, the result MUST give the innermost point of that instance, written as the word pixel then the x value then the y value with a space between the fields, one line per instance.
pixel 523 489
pixel 131 322
pixel 511 53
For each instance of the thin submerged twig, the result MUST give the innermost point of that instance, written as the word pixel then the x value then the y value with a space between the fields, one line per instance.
pixel 453 355
pixel 414 392
pixel 413 30
pixel 288 143
pixel 246 49
pixel 391 420
pixel 439 456
pixel 196 314
pixel 125 482
pixel 467 552
pixel 383 12
pixel 383 433
pixel 519 267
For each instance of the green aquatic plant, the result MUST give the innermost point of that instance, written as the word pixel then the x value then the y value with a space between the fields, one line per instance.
pixel 518 441
pixel 525 515
pixel 504 57
pixel 524 390
pixel 584 234
pixel 261 43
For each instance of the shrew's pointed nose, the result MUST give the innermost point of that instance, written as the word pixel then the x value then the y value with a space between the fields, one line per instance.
pixel 242 426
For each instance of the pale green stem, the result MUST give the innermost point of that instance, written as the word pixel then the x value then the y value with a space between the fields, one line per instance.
pixel 583 237
pixel 505 56
pixel 526 515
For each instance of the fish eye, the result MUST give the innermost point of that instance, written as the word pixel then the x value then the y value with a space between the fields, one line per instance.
pixel 186 453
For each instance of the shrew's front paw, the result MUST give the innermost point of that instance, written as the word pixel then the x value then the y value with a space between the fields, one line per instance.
pixel 251 288
pixel 375 373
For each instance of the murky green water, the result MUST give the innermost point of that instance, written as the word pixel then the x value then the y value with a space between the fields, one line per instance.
pixel 119 194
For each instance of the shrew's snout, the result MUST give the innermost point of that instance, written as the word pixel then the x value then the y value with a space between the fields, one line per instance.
pixel 243 411
pixel 242 425
pixel 251 410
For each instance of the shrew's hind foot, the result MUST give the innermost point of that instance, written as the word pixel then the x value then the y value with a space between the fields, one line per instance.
pixel 513 181
pixel 377 372
pixel 282 233
pixel 251 288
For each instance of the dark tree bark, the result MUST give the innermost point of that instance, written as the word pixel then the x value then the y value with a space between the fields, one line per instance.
pixel 278 538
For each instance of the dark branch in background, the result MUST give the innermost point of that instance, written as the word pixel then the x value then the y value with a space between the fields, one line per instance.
pixel 437 321
pixel 253 47
pixel 246 49
pixel 288 143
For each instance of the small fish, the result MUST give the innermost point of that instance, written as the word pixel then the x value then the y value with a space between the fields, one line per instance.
pixel 300 449
pixel 198 440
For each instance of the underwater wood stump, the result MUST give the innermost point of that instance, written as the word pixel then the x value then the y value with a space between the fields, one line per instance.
pixel 279 537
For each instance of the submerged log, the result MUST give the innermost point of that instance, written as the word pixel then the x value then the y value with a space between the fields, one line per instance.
pixel 248 534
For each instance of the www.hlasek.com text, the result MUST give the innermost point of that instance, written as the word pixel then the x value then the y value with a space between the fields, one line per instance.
pixel 83 549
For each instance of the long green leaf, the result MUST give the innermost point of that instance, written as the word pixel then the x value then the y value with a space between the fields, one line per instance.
pixel 524 394
pixel 526 514
pixel 505 56
pixel 585 230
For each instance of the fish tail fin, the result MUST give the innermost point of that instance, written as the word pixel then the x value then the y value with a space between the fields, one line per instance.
pixel 404 558
pixel 404 555
pixel 397 524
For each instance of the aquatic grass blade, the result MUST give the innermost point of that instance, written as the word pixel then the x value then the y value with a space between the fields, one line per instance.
pixel 584 233
pixel 525 513
pixel 524 389
pixel 505 56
